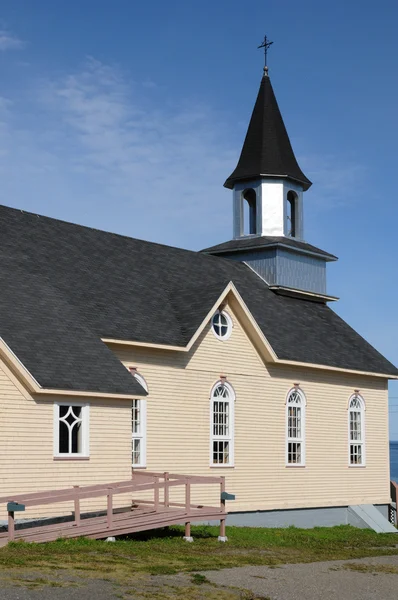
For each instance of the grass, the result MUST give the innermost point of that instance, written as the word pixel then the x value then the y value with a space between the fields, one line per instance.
pixel 365 568
pixel 155 555
pixel 164 552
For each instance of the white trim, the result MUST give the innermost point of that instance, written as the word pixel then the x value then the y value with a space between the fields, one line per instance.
pixel 299 440
pixel 141 380
pixel 231 436
pixel 362 441
pixel 264 346
pixel 85 430
pixel 20 363
pixel 230 325
pixel 141 435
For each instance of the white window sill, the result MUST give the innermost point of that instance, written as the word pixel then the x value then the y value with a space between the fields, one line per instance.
pixel 289 466
pixel 356 466
pixel 222 466
pixel 71 457
pixel 138 467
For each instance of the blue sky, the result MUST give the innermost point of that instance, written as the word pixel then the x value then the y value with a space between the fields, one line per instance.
pixel 129 116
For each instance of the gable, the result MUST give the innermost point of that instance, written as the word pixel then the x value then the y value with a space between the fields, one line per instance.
pixel 235 355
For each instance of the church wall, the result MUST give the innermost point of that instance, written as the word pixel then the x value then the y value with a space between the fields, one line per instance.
pixel 26 448
pixel 178 424
pixel 178 419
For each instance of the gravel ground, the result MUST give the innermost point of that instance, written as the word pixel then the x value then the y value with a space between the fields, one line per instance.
pixel 363 579
pixel 366 579
pixel 92 590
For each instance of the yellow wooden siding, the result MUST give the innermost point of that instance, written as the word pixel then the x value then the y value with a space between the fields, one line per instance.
pixel 26 448
pixel 178 418
pixel 178 423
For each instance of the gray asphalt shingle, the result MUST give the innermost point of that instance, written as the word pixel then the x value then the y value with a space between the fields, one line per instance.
pixel 64 287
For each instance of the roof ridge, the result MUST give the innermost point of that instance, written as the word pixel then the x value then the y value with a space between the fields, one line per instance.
pixel 104 231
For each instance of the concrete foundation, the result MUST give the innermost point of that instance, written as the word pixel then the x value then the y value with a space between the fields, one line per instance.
pixel 305 518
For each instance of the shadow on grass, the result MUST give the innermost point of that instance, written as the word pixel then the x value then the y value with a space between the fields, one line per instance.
pixel 201 532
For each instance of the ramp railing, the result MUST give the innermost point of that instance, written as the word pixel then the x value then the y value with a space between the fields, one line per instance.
pixel 167 480
pixel 160 509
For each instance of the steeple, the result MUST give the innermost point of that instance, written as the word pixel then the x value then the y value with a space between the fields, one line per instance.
pixel 268 217
pixel 267 151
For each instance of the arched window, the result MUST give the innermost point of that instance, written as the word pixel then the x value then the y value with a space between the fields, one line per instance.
pixel 222 401
pixel 138 425
pixel 249 212
pixel 356 430
pixel 291 216
pixel 295 427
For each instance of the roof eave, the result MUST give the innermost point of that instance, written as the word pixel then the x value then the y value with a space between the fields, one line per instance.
pixel 230 182
pixel 326 256
pixel 34 387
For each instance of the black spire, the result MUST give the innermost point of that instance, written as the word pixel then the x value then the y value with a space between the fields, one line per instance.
pixel 267 150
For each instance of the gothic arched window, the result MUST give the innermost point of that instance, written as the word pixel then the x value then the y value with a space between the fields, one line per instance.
pixel 295 427
pixel 249 211
pixel 222 401
pixel 356 430
pixel 291 216
pixel 138 425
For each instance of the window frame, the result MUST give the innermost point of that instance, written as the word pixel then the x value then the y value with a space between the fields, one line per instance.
pixel 230 438
pixel 296 440
pixel 85 431
pixel 362 442
pixel 222 338
pixel 142 434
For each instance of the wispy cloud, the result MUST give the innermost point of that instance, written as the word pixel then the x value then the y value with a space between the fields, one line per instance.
pixel 97 147
pixel 159 160
pixel 9 41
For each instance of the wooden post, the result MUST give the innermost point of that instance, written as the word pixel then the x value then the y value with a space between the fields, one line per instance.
pixel 222 537
pixel 156 494
pixel 166 489
pixel 187 497
pixel 109 510
pixel 187 536
pixel 188 530
pixel 11 526
pixel 77 506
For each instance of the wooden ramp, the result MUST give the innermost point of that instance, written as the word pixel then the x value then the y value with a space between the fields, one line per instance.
pixel 139 515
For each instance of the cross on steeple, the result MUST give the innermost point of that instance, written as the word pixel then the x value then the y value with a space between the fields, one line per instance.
pixel 265 44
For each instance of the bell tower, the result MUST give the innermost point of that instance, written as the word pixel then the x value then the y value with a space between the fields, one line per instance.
pixel 267 182
pixel 268 186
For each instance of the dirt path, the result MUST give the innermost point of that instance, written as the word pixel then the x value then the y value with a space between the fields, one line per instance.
pixel 364 579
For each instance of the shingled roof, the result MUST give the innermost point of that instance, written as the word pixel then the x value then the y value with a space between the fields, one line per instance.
pixel 267 241
pixel 64 287
pixel 267 150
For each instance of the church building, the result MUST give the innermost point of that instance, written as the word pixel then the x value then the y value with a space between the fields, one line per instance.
pixel 117 353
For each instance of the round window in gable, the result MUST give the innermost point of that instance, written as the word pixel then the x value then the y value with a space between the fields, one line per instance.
pixel 221 324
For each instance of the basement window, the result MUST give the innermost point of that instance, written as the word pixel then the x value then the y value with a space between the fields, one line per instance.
pixel 295 428
pixel 221 325
pixel 71 427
